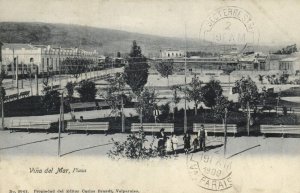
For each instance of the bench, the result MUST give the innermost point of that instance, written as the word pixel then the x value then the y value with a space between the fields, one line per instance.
pixel 12 97
pixel 87 126
pixel 55 87
pixel 84 105
pixel 153 127
pixel 24 94
pixel 279 129
pixel 28 125
pixel 216 128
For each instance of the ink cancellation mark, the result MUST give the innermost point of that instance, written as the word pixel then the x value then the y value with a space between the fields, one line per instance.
pixel 230 25
pixel 210 172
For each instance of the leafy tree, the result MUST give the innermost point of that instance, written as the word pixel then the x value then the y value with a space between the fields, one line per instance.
pixel 87 91
pixel 248 95
pixel 165 68
pixel 248 92
pixel 76 66
pixel 194 92
pixel 146 104
pixel 136 72
pixel 211 92
pixel 70 89
pixel 50 100
pixel 165 110
pixel 114 93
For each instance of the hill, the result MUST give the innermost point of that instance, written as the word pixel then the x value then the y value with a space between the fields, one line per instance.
pixel 106 41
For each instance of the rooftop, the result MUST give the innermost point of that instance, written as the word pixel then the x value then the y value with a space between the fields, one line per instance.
pixel 289 59
pixel 18 46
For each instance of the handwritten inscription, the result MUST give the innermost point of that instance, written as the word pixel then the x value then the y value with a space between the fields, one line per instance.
pixel 58 170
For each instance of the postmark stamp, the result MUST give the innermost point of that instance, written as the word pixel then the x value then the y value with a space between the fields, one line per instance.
pixel 230 25
pixel 210 171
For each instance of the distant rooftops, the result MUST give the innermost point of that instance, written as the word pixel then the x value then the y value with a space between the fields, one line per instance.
pixel 292 59
pixel 18 46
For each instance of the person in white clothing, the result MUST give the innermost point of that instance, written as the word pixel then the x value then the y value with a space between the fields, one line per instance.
pixel 174 143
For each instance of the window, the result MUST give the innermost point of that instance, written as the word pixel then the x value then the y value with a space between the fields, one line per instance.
pixel 31 60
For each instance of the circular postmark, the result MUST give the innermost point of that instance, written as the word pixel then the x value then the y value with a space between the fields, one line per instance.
pixel 230 25
pixel 209 171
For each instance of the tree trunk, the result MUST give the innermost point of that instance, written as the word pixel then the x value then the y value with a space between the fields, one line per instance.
pixel 225 131
pixel 168 82
pixel 196 108
pixel 141 117
pixel 173 113
pixel 248 118
pixel 2 113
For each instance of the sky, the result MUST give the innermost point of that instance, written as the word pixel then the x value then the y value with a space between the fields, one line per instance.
pixel 277 22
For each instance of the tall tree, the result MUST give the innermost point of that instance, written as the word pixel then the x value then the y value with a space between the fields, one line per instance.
pixel 165 68
pixel 175 99
pixel 248 96
pixel 114 93
pixel 87 91
pixel 136 72
pixel 194 92
pixel 76 66
pixel 147 102
pixel 211 92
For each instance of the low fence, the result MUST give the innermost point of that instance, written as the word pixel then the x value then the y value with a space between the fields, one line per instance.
pixel 153 127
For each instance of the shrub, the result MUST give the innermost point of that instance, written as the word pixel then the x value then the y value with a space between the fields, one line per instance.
pixel 133 148
pixel 87 91
pixel 50 100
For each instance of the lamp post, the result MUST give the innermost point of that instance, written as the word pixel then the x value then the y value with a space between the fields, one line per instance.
pixel 61 122
pixel 185 116
pixel 2 90
pixel 225 130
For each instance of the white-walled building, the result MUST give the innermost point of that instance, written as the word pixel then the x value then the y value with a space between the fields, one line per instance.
pixel 46 58
pixel 290 65
pixel 172 53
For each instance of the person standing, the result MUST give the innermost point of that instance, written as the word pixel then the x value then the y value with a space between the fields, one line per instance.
pixel 202 136
pixel 187 142
pixel 174 143
pixel 162 138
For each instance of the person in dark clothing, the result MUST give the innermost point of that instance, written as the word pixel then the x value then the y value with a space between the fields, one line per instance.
pixel 162 138
pixel 187 142
pixel 201 136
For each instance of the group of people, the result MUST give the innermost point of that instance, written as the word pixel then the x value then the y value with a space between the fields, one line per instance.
pixel 198 140
pixel 168 145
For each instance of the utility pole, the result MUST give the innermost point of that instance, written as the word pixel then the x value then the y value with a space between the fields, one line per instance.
pixel 22 73
pixel 248 118
pixel 225 131
pixel 60 122
pixel 37 80
pixel 17 76
pixel 13 68
pixel 123 121
pixel 185 116
pixel 2 98
pixel 59 67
